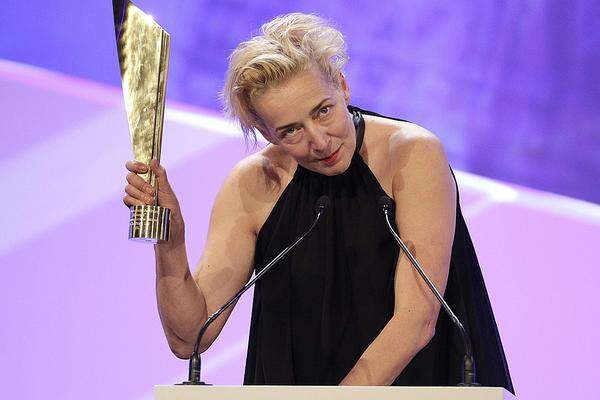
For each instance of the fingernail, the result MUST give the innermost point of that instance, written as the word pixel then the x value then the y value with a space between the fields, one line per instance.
pixel 142 167
pixel 149 199
pixel 149 190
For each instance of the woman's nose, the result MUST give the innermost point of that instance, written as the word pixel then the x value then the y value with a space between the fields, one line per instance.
pixel 319 139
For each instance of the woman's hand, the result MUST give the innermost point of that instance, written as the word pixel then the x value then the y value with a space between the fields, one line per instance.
pixel 139 192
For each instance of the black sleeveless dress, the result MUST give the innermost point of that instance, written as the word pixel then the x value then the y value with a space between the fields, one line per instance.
pixel 315 314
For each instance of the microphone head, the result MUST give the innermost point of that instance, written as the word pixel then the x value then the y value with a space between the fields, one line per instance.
pixel 322 203
pixel 385 203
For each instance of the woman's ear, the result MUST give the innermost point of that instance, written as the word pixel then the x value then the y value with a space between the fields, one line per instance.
pixel 344 87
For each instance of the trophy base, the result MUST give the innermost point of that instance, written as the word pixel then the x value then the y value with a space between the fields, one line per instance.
pixel 149 224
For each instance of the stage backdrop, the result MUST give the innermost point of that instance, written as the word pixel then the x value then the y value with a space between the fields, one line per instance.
pixel 510 87
pixel 77 299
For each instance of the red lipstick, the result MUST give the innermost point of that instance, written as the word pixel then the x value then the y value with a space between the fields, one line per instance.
pixel 332 157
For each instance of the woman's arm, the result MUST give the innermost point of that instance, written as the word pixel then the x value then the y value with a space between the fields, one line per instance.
pixel 186 300
pixel 425 195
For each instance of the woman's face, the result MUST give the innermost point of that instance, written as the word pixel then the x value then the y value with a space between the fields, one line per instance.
pixel 308 117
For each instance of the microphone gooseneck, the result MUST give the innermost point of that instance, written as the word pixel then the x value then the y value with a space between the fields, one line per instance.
pixel 469 376
pixel 195 362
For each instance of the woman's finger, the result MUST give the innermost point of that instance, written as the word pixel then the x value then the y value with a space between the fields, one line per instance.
pixel 136 166
pixel 161 176
pixel 135 180
pixel 138 194
pixel 130 201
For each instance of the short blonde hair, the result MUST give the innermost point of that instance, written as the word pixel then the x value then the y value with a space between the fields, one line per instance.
pixel 287 45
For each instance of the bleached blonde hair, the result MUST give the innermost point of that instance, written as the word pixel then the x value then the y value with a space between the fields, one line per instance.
pixel 287 45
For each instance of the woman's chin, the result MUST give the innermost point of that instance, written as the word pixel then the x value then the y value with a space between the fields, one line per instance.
pixel 327 169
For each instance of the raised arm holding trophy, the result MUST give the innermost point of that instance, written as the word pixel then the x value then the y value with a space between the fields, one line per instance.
pixel 346 306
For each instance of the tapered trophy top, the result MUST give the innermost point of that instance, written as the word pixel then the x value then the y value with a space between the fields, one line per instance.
pixel 143 49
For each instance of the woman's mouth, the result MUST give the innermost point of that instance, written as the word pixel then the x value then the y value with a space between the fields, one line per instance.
pixel 332 157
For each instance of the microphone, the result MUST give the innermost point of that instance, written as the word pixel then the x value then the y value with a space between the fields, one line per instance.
pixel 469 376
pixel 195 362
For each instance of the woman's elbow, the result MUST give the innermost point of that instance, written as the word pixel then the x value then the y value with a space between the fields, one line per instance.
pixel 180 349
pixel 184 350
pixel 429 330
pixel 422 325
pixel 428 323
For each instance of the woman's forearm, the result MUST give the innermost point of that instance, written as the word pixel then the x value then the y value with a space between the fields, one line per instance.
pixel 385 358
pixel 181 305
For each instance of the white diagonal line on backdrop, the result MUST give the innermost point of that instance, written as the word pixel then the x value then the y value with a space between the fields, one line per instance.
pixel 49 175
pixel 84 166
pixel 498 192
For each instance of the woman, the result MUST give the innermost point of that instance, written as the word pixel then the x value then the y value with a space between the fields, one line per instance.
pixel 343 307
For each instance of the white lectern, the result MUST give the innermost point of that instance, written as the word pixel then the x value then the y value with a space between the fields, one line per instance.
pixel 175 392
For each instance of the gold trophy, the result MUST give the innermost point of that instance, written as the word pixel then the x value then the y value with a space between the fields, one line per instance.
pixel 143 48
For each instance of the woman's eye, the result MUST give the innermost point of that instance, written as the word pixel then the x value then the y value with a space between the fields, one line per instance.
pixel 289 132
pixel 324 111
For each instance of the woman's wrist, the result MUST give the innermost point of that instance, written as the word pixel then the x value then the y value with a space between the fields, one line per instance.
pixel 171 255
pixel 176 233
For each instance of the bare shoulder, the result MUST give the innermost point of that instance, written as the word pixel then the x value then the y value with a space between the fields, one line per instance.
pixel 415 144
pixel 418 157
pixel 261 175
pixel 255 183
pixel 399 150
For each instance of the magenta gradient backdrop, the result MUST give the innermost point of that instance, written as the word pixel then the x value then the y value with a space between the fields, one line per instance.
pixel 78 306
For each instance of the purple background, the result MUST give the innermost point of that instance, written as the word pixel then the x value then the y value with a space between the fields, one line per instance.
pixel 511 88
